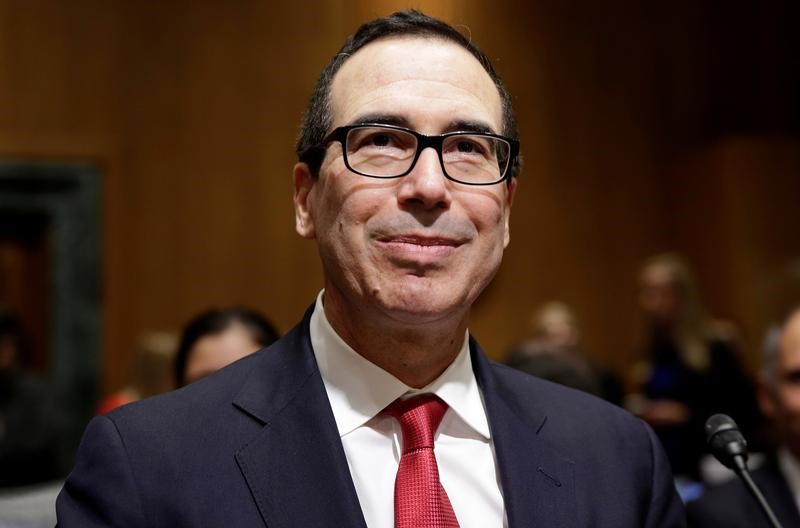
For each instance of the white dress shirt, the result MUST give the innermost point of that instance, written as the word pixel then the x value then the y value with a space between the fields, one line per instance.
pixel 359 390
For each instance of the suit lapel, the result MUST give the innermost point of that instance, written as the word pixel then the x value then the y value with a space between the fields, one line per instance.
pixel 537 481
pixel 295 466
pixel 297 471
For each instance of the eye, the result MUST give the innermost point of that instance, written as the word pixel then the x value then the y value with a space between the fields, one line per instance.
pixel 373 138
pixel 380 140
pixel 468 146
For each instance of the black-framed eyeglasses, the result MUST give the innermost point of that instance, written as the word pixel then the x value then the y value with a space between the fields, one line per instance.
pixel 389 151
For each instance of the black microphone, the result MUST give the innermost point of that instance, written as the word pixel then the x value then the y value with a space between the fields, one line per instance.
pixel 726 442
pixel 728 445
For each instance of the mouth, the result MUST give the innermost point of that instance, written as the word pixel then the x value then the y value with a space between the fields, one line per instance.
pixel 419 249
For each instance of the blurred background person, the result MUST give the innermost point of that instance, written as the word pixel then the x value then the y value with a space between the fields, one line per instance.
pixel 218 337
pixel 30 424
pixel 730 505
pixel 554 352
pixel 691 368
pixel 151 372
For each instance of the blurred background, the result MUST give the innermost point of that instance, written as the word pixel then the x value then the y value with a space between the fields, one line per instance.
pixel 146 151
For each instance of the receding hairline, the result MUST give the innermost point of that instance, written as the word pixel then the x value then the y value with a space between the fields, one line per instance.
pixel 346 57
pixel 316 122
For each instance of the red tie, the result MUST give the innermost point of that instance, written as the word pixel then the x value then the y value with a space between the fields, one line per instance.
pixel 419 498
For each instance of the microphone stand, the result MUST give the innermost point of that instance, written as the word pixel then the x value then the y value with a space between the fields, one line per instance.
pixel 729 447
pixel 741 470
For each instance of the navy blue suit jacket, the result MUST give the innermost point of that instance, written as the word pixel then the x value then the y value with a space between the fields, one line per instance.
pixel 256 444
pixel 730 505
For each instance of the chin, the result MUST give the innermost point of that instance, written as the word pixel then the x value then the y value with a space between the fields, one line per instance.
pixel 423 305
pixel 419 315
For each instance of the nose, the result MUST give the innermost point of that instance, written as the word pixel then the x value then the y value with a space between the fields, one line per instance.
pixel 425 186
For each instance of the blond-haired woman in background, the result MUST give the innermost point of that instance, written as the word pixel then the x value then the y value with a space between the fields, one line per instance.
pixel 691 368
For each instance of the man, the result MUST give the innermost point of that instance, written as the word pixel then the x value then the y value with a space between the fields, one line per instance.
pixel 406 176
pixel 730 504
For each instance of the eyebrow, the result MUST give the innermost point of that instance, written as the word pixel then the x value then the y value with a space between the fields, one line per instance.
pixel 380 119
pixel 469 126
pixel 460 125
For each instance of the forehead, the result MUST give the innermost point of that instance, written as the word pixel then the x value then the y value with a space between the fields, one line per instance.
pixel 425 81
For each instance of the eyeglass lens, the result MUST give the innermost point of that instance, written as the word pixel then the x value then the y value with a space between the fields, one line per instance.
pixel 386 152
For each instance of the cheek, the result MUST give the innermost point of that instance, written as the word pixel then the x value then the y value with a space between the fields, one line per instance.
pixel 790 401
pixel 345 198
pixel 196 366
pixel 490 221
pixel 486 208
pixel 342 225
pixel 490 225
pixel 350 212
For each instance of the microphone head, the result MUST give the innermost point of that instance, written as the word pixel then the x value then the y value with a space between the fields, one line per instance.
pixel 726 442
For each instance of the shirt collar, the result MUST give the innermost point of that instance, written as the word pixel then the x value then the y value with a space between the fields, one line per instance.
pixel 358 389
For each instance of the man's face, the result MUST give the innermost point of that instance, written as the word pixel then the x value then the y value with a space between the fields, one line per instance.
pixel 418 248
pixel 782 402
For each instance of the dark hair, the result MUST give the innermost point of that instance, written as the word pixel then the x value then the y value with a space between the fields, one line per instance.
pixel 216 321
pixel 317 119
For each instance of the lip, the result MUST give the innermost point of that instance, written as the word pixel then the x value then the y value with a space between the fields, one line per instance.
pixel 418 249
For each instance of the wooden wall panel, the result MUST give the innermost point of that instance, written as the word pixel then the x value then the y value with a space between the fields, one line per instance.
pixel 191 109
pixel 734 213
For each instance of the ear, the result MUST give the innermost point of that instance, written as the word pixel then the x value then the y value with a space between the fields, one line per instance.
pixel 512 187
pixel 766 397
pixel 304 183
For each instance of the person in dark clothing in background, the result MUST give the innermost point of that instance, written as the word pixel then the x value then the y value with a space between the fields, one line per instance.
pixel 555 352
pixel 29 421
pixel 691 368
pixel 730 505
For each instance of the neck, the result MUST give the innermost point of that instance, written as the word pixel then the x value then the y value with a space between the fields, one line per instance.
pixel 416 354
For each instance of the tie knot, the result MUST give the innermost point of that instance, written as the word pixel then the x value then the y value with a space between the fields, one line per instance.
pixel 419 419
